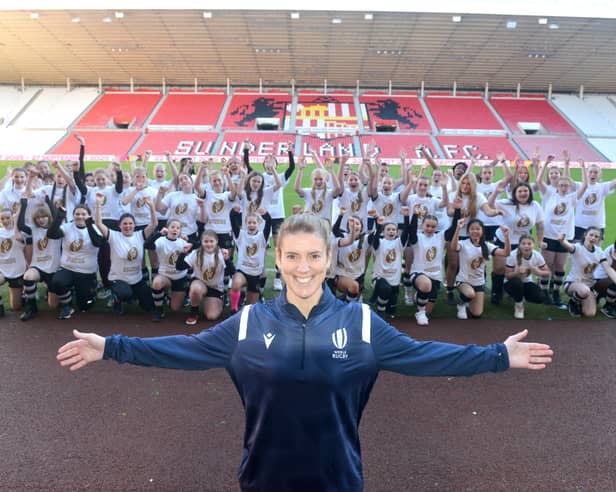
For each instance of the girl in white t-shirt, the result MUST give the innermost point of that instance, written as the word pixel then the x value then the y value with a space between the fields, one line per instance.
pixel 251 248
pixel 521 265
pixel 168 244
pixel 12 261
pixel 388 248
pixel 427 268
pixel 580 282
pixel 207 284
pixel 127 255
pixel 474 254
pixel 318 199
pixel 78 262
pixel 45 256
pixel 559 204
pixel 521 214
pixel 590 211
pixel 349 262
pixel 470 202
pixel 604 285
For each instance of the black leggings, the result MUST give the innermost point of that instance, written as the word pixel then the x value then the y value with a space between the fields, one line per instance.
pixel 528 291
pixel 84 283
pixel 141 291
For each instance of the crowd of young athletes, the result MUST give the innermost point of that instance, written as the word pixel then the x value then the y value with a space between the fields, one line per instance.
pixel 205 228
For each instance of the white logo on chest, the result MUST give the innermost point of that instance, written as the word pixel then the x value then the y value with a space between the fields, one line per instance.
pixel 340 339
pixel 269 338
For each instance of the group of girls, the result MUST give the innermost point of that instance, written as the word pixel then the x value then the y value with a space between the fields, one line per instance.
pixel 65 227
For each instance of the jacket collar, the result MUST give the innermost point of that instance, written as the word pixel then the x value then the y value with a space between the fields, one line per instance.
pixel 326 301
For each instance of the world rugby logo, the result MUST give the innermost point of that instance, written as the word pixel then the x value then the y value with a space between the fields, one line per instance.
pixel 339 338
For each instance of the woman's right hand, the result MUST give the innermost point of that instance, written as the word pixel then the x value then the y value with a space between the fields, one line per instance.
pixel 89 347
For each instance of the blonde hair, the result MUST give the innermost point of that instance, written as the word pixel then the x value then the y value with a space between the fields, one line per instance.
pixel 304 223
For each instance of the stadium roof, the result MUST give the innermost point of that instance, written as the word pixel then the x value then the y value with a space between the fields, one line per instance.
pixel 502 44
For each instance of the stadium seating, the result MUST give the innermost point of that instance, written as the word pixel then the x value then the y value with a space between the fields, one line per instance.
pixel 534 114
pixel 403 110
pixel 463 114
pixel 334 112
pixel 118 109
pixel 595 116
pixel 482 148
pixel 12 101
pixel 576 146
pixel 56 108
pixel 101 143
pixel 390 145
pixel 246 107
pixel 178 143
pixel 264 143
pixel 183 108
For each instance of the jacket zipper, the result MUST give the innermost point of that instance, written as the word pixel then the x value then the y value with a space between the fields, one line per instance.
pixel 303 346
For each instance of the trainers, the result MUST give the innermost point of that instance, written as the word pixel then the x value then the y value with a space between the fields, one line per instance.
pixel 103 293
pixel 609 310
pixel 518 310
pixel 574 308
pixel 451 298
pixel 277 284
pixel 461 311
pixel 421 318
pixel 556 300
pixel 28 313
pixel 192 320
pixel 158 316
pixel 408 296
pixel 66 312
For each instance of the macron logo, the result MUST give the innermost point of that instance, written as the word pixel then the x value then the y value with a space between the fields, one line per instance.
pixel 269 338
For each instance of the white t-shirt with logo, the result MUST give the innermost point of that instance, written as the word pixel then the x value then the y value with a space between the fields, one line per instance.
pixel 472 263
pixel 211 272
pixel 590 209
pixel 388 261
pixel 126 256
pixel 583 264
pixel 428 253
pixel 535 260
pixel 12 261
pixel 78 253
pixel 559 214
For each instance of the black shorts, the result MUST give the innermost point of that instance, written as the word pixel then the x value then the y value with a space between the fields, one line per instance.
pixel 15 283
pixel 360 280
pixel 178 285
pixel 225 240
pixel 476 288
pixel 580 231
pixel 497 242
pixel 44 276
pixel 489 232
pixel 436 285
pixel 253 282
pixel 212 292
pixel 554 245
pixel 276 223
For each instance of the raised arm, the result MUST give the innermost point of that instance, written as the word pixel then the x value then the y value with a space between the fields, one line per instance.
pixel 298 178
pixel 151 227
pixel 68 178
pixel 100 198
pixel 584 186
pixel 289 172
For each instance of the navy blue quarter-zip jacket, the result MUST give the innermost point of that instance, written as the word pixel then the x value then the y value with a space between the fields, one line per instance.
pixel 304 383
